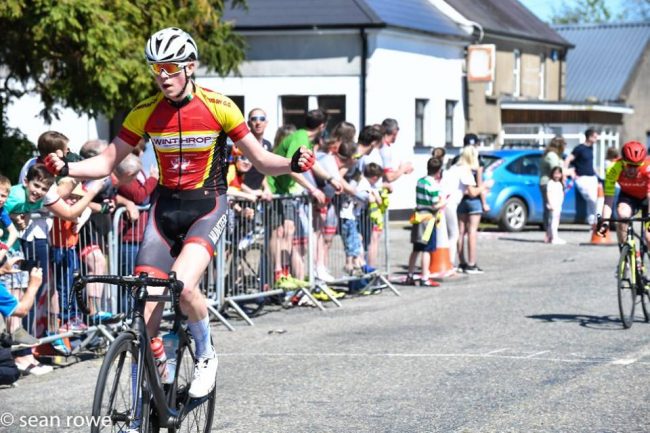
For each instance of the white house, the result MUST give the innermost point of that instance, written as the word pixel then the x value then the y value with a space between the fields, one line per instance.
pixel 362 61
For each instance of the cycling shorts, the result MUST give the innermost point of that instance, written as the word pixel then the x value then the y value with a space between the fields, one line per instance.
pixel 176 219
pixel 636 204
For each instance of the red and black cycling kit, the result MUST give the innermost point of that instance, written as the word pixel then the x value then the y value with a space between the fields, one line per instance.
pixel 189 141
pixel 637 185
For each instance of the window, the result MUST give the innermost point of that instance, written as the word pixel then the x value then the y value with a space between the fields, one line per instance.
pixel 295 108
pixel 420 108
pixel 239 102
pixel 526 165
pixel 542 76
pixel 449 122
pixel 516 74
pixel 334 106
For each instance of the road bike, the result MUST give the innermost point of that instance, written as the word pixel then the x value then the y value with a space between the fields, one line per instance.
pixel 633 284
pixel 129 396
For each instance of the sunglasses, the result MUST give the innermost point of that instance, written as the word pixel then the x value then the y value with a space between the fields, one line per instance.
pixel 257 119
pixel 170 69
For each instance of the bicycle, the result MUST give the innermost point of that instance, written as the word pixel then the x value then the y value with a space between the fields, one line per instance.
pixel 129 395
pixel 633 284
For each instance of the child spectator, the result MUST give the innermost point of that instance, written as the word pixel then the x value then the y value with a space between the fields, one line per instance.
pixel 372 175
pixel 428 201
pixel 12 233
pixel 554 200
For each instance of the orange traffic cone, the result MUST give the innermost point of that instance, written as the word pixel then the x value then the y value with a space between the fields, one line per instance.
pixel 595 239
pixel 441 266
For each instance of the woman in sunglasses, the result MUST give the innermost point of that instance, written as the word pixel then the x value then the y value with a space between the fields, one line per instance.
pixel 632 173
pixel 187 125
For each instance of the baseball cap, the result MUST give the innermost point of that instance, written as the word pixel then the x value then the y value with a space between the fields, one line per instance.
pixel 470 139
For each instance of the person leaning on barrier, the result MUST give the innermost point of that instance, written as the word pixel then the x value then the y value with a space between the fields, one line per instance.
pixel 184 122
pixel 12 306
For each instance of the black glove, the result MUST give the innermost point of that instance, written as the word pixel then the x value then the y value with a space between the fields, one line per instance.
pixel 310 159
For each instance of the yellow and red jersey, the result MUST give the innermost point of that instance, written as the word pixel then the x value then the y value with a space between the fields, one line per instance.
pixel 637 186
pixel 185 138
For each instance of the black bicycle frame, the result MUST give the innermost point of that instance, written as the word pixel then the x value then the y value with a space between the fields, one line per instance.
pixel 167 416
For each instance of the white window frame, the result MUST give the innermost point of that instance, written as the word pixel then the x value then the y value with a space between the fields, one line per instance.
pixel 516 73
pixel 542 77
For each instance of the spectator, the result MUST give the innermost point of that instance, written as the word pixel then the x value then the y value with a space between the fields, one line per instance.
pixel 94 241
pixel 586 181
pixel 469 213
pixel 554 199
pixel 325 216
pixel 469 210
pixel 12 306
pixel 294 183
pixel 428 201
pixel 254 179
pixel 282 132
pixel 552 158
pixel 139 192
pixel 373 173
pixel 611 155
pixel 22 201
pixel 392 170
pixel 458 180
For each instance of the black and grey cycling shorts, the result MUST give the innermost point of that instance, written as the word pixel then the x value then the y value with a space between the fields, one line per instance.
pixel 177 219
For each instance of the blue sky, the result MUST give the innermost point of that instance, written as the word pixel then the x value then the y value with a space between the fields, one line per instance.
pixel 544 8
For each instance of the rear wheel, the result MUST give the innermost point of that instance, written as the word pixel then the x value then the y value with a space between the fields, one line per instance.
pixel 200 412
pixel 626 290
pixel 514 215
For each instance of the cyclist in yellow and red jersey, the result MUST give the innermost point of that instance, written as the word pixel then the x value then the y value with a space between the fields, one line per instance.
pixel 632 173
pixel 187 125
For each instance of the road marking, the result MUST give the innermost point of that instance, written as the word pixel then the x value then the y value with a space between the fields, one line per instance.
pixel 532 355
pixel 624 361
pixel 496 351
pixel 490 355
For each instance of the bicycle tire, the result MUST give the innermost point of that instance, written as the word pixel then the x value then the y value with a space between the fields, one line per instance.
pixel 625 289
pixel 201 417
pixel 116 374
pixel 644 295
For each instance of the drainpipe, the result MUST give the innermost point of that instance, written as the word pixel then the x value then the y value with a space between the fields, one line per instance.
pixel 364 68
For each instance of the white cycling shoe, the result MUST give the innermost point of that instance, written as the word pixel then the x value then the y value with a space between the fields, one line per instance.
pixel 204 378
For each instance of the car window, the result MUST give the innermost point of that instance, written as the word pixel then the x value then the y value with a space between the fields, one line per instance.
pixel 490 163
pixel 526 165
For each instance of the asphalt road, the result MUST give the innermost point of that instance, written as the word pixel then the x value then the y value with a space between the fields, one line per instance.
pixel 532 345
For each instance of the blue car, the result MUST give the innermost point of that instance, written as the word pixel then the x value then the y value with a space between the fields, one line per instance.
pixel 515 199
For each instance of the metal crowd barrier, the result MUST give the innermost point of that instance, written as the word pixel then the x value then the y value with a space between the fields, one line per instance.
pixel 285 236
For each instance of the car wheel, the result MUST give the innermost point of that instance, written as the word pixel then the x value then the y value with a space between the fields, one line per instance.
pixel 514 215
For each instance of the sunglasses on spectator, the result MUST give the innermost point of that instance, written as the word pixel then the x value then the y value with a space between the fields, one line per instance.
pixel 258 119
pixel 170 69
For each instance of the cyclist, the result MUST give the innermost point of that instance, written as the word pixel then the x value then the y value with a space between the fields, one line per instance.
pixel 632 173
pixel 187 124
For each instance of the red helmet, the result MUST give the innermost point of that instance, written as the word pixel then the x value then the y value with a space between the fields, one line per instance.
pixel 634 152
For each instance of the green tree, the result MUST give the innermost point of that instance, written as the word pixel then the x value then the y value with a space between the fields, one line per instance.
pixel 636 10
pixel 582 12
pixel 88 55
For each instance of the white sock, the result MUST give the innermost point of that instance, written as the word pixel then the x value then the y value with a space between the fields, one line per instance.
pixel 201 332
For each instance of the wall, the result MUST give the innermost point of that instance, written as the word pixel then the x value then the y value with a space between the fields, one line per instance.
pixel 23 114
pixel 401 67
pixel 636 126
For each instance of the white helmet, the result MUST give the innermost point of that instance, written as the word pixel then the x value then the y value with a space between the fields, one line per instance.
pixel 170 45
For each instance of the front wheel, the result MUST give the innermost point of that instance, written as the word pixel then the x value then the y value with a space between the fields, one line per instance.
pixel 626 289
pixel 119 403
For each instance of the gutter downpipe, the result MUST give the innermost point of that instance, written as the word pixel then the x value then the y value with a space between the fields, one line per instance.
pixel 363 73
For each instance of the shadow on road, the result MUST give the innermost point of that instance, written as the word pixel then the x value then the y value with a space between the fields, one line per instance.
pixel 606 323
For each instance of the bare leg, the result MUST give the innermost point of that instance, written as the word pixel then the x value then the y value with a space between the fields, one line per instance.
pixel 472 238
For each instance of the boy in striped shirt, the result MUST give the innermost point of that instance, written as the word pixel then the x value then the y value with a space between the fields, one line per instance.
pixel 429 201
